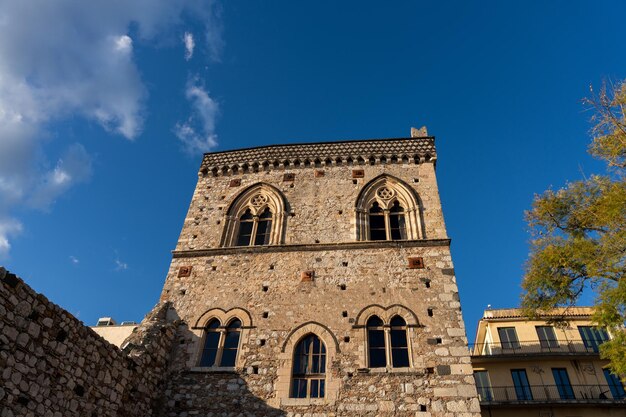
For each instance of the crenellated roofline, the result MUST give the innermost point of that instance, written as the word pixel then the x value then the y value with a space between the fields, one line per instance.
pixel 414 150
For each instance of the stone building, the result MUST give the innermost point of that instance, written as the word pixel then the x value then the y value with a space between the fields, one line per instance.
pixel 316 279
pixel 308 280
pixel 527 368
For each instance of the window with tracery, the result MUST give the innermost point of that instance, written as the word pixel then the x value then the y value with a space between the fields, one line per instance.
pixel 387 343
pixel 309 368
pixel 255 218
pixel 387 209
pixel 220 344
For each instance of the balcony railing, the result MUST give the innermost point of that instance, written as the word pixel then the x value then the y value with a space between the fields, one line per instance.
pixel 535 347
pixel 554 394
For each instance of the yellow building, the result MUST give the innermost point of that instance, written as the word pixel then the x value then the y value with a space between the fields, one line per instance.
pixel 531 368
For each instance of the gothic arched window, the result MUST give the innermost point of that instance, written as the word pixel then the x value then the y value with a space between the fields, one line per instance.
pixel 387 344
pixel 377 352
pixel 256 217
pixel 309 368
pixel 220 344
pixel 387 209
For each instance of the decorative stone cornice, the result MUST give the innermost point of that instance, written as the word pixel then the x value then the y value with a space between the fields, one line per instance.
pixel 306 155
pixel 241 250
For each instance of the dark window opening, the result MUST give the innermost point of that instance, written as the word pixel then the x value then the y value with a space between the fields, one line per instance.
pixel 399 343
pixel 309 368
pixel 377 354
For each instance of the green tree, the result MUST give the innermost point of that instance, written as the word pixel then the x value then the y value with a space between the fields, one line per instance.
pixel 579 233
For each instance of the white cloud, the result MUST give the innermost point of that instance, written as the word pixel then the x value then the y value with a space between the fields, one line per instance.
pixel 66 58
pixel 8 227
pixel 120 266
pixel 197 133
pixel 74 260
pixel 72 168
pixel 190 44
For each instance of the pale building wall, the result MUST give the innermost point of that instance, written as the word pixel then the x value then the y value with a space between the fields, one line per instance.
pixel 584 368
pixel 115 334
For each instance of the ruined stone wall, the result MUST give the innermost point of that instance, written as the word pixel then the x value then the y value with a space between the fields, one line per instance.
pixel 53 365
pixel 264 287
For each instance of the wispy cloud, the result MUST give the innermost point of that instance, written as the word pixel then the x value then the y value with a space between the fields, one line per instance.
pixel 74 260
pixel 120 266
pixel 74 59
pixel 197 133
pixel 190 44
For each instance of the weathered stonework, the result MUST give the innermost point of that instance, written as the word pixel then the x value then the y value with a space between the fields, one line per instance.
pixel 316 271
pixel 318 275
pixel 52 365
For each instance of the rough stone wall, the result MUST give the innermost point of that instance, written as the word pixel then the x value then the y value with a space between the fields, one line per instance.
pixel 52 365
pixel 351 279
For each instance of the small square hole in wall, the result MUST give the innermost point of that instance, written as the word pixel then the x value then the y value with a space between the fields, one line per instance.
pixel 416 180
pixel 344 314
pixel 271 267
pixel 213 268
pixel 430 312
pixel 439 340
pixel 342 287
pixel 427 283
pixel 255 370
pixel 218 222
pixel 235 182
pixel 182 291
pixel 266 314
pixel 289 177
pixel 346 339
pixel 222 197
pixel 422 407
pixel 355 182
pixel 292 213
pixel 340 212
pixel 317 241
pixel 344 263
pixel 262 342
pixel 430 370
pixel 265 288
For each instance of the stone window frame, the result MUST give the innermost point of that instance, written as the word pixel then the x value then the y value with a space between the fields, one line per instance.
pixel 225 317
pixel 256 198
pixel 285 365
pixel 398 191
pixel 386 314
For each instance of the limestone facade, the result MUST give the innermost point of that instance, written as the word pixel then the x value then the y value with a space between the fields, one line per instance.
pixel 317 270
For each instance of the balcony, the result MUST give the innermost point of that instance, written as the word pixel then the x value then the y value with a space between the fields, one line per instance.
pixel 535 348
pixel 551 394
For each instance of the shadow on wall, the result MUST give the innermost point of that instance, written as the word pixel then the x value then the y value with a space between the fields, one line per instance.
pixel 51 363
pixel 220 393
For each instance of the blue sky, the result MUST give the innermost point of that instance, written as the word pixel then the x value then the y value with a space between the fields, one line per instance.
pixel 105 109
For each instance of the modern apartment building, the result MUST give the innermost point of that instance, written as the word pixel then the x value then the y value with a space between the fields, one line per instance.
pixel 534 368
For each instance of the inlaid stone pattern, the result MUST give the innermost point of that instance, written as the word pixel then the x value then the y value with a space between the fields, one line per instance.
pixel 319 279
pixel 358 152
